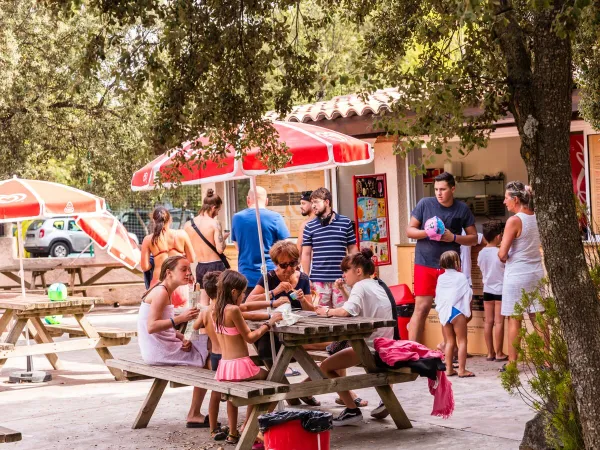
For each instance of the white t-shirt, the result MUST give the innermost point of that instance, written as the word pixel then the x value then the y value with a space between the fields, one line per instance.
pixel 492 270
pixel 465 257
pixel 368 299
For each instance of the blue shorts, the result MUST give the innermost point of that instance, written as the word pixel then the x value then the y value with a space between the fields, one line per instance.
pixel 214 361
pixel 454 315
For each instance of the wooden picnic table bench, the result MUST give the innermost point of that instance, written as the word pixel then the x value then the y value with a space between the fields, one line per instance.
pixel 8 435
pixel 310 329
pixel 74 270
pixel 29 311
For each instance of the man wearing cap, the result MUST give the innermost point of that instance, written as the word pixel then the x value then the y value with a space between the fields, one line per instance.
pixel 306 211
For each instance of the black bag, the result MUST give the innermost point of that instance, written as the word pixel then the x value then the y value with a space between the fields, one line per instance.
pixel 312 421
pixel 221 256
pixel 337 346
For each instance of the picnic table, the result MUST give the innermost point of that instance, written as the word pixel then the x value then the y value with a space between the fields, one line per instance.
pixel 309 329
pixel 29 312
pixel 74 269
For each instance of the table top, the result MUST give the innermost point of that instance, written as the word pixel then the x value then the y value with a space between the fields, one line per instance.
pixel 33 302
pixel 60 264
pixel 312 324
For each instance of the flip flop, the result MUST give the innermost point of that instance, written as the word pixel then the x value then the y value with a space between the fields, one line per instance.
pixel 292 372
pixel 311 401
pixel 493 358
pixel 502 359
pixel 453 374
pixel 205 424
pixel 359 402
pixel 470 375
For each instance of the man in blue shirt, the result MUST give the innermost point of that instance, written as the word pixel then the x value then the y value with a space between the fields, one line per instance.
pixel 326 240
pixel 244 233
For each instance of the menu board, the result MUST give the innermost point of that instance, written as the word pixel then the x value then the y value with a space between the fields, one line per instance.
pixel 371 215
pixel 285 191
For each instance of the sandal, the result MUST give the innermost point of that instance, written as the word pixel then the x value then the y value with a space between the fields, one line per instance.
pixel 291 372
pixel 359 402
pixel 219 433
pixel 467 375
pixel 232 439
pixel 311 401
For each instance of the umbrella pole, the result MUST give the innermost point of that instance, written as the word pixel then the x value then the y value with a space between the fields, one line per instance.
pixel 22 276
pixel 263 268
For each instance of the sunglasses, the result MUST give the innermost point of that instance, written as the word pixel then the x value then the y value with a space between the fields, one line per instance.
pixel 290 264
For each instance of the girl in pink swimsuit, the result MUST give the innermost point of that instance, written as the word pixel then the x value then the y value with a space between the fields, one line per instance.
pixel 234 335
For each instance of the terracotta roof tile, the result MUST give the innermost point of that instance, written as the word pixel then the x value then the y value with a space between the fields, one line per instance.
pixel 341 106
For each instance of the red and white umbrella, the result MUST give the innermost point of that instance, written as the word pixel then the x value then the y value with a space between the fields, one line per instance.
pixel 311 148
pixel 106 231
pixel 31 199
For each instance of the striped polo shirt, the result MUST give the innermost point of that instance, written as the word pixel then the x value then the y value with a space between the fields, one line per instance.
pixel 329 245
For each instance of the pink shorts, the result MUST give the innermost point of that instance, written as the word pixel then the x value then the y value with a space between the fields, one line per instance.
pixel 327 294
pixel 236 369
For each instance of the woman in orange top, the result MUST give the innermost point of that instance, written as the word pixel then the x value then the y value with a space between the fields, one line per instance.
pixel 165 242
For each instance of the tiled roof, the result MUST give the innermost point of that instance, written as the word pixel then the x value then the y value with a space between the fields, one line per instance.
pixel 341 106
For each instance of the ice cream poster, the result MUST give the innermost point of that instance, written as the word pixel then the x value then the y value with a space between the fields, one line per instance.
pixel 371 216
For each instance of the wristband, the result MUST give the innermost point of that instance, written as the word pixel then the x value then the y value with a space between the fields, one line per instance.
pixel 271 303
pixel 173 322
pixel 454 238
pixel 271 295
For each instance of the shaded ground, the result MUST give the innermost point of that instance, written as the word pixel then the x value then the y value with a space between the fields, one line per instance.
pixel 84 408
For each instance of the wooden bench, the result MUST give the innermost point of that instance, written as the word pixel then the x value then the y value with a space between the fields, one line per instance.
pixel 104 332
pixel 242 393
pixel 190 376
pixel 8 435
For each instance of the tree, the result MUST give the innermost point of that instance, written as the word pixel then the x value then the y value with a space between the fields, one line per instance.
pixel 57 123
pixel 208 63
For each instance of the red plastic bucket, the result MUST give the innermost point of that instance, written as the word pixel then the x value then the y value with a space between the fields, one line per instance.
pixel 405 303
pixel 291 436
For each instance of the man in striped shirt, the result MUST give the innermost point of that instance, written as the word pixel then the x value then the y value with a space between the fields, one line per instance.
pixel 325 241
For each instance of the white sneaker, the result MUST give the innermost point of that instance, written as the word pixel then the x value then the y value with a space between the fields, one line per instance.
pixel 380 412
pixel 348 417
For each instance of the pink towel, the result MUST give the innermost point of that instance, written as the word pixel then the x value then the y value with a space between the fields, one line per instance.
pixel 391 352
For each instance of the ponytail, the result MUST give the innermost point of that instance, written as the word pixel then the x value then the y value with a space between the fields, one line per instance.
pixel 160 217
pixel 523 192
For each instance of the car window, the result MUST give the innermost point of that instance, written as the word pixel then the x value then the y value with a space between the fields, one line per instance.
pixel 59 224
pixel 73 226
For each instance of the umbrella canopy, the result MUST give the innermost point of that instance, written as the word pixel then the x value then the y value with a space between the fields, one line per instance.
pixel 311 148
pixel 106 231
pixel 31 199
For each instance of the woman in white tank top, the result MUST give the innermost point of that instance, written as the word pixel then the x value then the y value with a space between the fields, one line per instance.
pixel 520 250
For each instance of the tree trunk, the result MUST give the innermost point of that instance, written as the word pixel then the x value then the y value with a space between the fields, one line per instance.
pixel 541 103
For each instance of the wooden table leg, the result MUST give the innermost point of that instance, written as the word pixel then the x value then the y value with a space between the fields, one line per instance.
pixel 5 319
pixel 13 335
pixel 16 279
pixel 71 281
pixel 277 373
pixel 150 403
pixel 385 392
pixel 103 352
pixel 308 364
pixel 41 336
pixel 81 283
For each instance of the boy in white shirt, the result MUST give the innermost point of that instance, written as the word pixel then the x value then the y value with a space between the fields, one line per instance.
pixel 492 270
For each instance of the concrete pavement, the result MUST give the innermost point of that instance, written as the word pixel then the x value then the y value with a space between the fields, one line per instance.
pixel 84 408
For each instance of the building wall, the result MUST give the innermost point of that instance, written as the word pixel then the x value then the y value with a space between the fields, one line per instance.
pixel 501 155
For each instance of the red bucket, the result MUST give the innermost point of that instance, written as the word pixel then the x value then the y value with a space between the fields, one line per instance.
pixel 291 436
pixel 405 304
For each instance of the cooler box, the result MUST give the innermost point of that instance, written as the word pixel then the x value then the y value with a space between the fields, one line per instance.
pixel 405 307
pixel 296 430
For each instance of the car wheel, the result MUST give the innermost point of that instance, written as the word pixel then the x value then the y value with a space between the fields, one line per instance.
pixel 59 250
